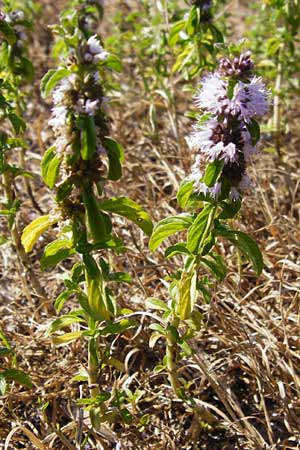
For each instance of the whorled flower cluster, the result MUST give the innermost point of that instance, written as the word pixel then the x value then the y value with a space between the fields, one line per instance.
pixel 231 99
pixel 79 96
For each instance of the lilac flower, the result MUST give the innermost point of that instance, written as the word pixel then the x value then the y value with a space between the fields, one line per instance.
pixel 225 135
pixel 95 52
pixel 251 99
pixel 91 106
pixel 212 96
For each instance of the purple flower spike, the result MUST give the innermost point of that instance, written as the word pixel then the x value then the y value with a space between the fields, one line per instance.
pixel 225 135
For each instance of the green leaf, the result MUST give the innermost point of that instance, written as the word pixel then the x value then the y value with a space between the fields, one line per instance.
pixel 217 35
pixel 51 79
pixel 205 292
pixel 157 327
pixel 66 338
pixel 62 297
pixel 229 209
pixel 193 20
pixel 118 327
pixel 115 154
pixel 196 231
pixel 64 190
pixel 55 252
pixel 246 245
pixel 17 122
pixel 213 172
pixel 97 307
pixel 91 266
pixel 129 209
pixel 254 130
pixel 167 227
pixel 174 32
pixel 187 294
pixel 175 250
pixel 18 376
pixel 34 230
pixel 184 192
pixel 88 138
pixel 97 224
pixel 62 322
pixel 156 303
pixel 186 348
pixel 154 338
pixel 113 62
pixel 5 351
pixel 4 339
pixel 8 32
pixel 120 277
pixel 50 167
pixel 113 243
pixel 216 264
pixel 27 68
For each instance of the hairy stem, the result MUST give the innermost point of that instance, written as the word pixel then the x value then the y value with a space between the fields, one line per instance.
pixel 171 354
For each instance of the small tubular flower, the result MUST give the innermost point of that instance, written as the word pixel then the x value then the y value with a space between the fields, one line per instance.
pixel 225 137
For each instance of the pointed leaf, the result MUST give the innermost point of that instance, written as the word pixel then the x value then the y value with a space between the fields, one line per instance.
pixel 62 322
pixel 51 79
pixel 66 338
pixel 168 227
pixel 246 245
pixel 50 167
pixel 115 155
pixel 175 250
pixel 156 303
pixel 118 327
pixel 196 231
pixel 187 294
pixel 129 209
pixel 8 32
pixel 216 264
pixel 55 252
pixel 96 222
pixel 88 138
pixel 185 190
pixel 18 376
pixel 213 172
pixel 34 230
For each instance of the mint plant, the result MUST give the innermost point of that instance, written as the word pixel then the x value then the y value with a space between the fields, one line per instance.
pixel 231 101
pixel 17 73
pixel 78 166
pixel 10 372
pixel 195 38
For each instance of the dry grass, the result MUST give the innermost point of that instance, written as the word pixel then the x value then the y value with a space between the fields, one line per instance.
pixel 246 364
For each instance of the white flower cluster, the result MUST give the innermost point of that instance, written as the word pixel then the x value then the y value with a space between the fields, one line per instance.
pixel 68 101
